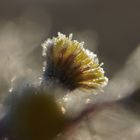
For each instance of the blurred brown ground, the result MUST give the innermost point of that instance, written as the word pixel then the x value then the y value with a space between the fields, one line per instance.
pixel 116 22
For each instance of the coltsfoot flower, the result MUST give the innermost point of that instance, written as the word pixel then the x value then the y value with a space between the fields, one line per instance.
pixel 73 66
pixel 34 113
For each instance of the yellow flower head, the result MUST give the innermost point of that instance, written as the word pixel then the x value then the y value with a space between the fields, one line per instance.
pixel 73 66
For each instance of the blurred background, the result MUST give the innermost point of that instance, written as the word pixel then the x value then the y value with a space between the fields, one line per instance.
pixel 110 28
